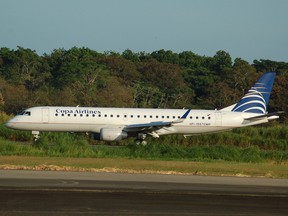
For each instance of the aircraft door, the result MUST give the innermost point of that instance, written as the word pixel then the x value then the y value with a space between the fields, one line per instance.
pixel 45 115
pixel 218 118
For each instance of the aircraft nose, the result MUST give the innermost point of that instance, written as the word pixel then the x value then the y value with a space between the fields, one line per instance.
pixel 10 124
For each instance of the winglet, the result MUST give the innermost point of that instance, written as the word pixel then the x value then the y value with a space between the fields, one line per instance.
pixel 182 117
pixel 186 114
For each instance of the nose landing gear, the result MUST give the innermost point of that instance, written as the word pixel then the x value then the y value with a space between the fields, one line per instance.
pixel 36 135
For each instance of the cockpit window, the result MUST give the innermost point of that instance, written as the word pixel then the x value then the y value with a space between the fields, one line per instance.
pixel 21 113
pixel 25 113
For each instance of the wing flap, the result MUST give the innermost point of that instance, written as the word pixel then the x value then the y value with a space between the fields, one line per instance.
pixel 147 126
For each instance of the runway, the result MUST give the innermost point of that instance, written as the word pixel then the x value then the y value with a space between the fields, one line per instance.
pixel 88 193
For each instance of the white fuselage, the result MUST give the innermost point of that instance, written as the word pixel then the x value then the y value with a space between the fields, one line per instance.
pixel 90 119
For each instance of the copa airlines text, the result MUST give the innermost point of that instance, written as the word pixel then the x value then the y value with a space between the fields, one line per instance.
pixel 115 124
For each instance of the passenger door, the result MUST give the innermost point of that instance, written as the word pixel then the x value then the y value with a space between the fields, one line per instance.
pixel 45 115
pixel 218 118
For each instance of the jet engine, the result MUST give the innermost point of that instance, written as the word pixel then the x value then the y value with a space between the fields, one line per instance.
pixel 111 134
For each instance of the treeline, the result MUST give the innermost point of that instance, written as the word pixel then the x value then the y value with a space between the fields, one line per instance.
pixel 81 76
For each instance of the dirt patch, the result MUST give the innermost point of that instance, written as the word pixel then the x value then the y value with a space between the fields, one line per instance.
pixel 122 165
pixel 44 167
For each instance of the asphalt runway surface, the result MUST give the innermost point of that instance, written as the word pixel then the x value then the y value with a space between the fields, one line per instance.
pixel 88 193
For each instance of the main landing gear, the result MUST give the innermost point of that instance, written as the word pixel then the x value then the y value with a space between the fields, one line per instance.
pixel 36 135
pixel 141 139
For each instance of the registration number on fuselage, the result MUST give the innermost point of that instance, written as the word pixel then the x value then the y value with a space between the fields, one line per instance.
pixel 199 124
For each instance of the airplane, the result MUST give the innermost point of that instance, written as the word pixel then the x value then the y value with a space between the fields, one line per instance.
pixel 115 124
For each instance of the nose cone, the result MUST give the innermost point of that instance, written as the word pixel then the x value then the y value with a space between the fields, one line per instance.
pixel 10 123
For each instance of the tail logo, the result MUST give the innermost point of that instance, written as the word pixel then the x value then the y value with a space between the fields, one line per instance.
pixel 253 102
pixel 257 98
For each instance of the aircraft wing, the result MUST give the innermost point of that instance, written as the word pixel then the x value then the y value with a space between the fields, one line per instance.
pixel 152 126
pixel 147 126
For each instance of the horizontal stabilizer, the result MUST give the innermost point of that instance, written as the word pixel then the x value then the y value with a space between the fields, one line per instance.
pixel 273 115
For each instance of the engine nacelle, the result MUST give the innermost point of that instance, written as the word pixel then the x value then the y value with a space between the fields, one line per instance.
pixel 112 134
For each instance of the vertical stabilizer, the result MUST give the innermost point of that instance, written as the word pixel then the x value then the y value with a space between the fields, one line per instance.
pixel 257 98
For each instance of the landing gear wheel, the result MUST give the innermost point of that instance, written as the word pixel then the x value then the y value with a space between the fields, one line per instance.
pixel 36 136
pixel 140 139
pixel 141 142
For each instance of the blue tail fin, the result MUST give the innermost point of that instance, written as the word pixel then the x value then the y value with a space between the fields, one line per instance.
pixel 257 98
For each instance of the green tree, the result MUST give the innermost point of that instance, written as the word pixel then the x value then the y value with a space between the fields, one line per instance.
pixel 190 60
pixel 165 56
pixel 129 55
pixel 243 75
pixel 2 83
pixel 221 61
pixel 16 98
pixel 279 95
pixel 76 64
pixel 200 81
pixel 160 79
pixel 24 67
pixel 115 94
pixel 268 65
pixel 168 78
pixel 121 67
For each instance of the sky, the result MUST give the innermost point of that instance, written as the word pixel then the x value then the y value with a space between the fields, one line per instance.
pixel 247 29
